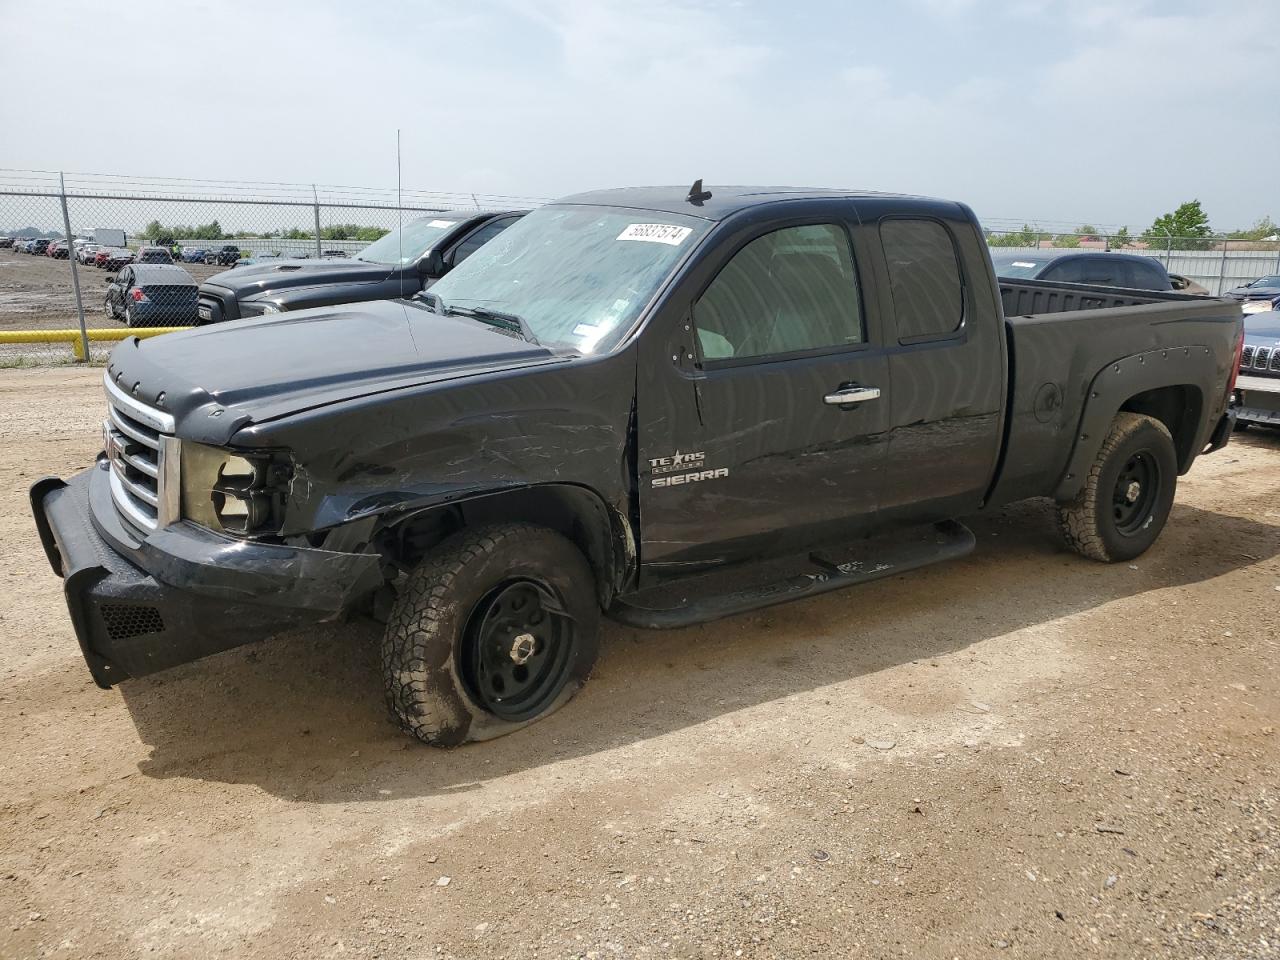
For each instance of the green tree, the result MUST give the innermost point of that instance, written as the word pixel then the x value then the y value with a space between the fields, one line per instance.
pixel 1067 240
pixel 1186 228
pixel 1028 236
pixel 1265 227
pixel 1120 238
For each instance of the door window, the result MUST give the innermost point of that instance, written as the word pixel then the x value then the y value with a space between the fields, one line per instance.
pixel 479 238
pixel 790 291
pixel 924 275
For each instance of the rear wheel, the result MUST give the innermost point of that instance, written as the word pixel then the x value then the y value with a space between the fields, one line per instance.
pixel 128 317
pixel 495 629
pixel 1128 494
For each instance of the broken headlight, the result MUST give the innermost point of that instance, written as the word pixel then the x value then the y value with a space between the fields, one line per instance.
pixel 237 492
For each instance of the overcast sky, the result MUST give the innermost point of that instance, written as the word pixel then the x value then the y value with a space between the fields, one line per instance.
pixel 1107 111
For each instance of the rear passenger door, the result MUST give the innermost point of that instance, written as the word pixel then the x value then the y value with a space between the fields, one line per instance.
pixel 946 361
pixel 769 433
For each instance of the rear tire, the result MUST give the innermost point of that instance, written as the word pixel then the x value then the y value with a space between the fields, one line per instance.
pixel 1128 494
pixel 496 628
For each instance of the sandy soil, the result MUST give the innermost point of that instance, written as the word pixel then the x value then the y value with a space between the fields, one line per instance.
pixel 1020 754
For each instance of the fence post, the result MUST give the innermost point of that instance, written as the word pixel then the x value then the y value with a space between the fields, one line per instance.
pixel 75 274
pixel 1222 268
pixel 1168 249
pixel 316 196
pixel 1278 256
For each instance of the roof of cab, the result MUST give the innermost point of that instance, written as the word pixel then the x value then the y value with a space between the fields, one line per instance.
pixel 724 201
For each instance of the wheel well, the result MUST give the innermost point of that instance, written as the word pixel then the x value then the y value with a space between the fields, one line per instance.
pixel 576 512
pixel 1178 408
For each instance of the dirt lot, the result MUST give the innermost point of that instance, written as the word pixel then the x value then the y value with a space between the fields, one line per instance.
pixel 1021 754
pixel 36 292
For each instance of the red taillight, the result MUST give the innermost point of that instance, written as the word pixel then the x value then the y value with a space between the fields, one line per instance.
pixel 138 295
pixel 1235 364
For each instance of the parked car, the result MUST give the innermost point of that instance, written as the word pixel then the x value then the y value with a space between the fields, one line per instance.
pixel 86 252
pixel 152 295
pixel 225 256
pixel 1257 395
pixel 116 258
pixel 392 266
pixel 626 389
pixel 38 246
pixel 153 255
pixel 6 243
pixel 194 254
pixel 1258 296
pixel 1099 268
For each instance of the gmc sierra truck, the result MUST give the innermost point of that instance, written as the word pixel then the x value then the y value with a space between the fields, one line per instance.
pixel 661 407
pixel 397 265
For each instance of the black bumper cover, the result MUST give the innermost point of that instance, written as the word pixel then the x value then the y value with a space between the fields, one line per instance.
pixel 144 604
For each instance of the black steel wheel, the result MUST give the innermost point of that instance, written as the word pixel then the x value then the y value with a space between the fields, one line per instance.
pixel 1137 491
pixel 495 629
pixel 516 650
pixel 1128 494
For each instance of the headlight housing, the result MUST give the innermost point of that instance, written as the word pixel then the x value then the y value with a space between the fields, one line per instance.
pixel 241 493
pixel 257 308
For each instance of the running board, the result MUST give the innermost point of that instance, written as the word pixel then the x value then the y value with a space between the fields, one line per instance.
pixel 739 589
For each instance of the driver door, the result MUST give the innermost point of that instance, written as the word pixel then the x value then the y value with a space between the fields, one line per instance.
pixel 775 438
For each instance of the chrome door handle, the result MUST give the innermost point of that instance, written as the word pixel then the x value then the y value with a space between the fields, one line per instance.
pixel 851 395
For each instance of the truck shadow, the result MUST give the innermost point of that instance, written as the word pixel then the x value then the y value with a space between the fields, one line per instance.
pixel 302 718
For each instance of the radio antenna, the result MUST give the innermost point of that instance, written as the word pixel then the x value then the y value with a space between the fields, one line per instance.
pixel 399 214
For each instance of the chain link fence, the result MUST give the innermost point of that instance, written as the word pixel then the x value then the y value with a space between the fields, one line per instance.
pixel 86 260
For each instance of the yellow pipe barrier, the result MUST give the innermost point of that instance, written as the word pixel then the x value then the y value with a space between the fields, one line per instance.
pixel 73 336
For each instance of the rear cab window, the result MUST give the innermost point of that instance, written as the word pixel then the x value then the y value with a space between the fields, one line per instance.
pixel 925 278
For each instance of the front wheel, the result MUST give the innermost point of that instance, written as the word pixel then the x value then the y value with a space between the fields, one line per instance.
pixel 1128 494
pixel 495 629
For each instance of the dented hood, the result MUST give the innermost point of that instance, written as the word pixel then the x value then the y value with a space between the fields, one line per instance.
pixel 220 378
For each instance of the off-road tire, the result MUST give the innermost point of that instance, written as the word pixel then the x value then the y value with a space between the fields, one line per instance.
pixel 1088 522
pixel 422 656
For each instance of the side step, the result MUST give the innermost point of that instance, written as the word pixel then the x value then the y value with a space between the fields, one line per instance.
pixel 739 589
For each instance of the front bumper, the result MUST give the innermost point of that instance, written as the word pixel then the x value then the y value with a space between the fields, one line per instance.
pixel 141 605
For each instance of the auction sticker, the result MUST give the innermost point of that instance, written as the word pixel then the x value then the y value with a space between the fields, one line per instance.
pixel 656 233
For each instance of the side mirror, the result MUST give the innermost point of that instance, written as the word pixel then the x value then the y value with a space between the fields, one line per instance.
pixel 432 266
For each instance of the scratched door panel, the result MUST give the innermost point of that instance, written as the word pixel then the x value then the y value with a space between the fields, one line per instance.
pixel 764 463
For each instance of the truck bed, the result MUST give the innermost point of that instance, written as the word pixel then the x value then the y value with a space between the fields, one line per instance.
pixel 1075 348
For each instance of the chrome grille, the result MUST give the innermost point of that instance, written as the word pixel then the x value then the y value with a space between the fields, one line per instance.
pixel 1275 361
pixel 1246 357
pixel 144 457
pixel 1261 357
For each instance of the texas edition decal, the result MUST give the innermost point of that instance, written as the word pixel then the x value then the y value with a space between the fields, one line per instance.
pixel 682 468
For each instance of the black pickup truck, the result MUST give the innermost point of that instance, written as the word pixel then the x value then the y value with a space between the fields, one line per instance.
pixel 658 407
pixel 396 265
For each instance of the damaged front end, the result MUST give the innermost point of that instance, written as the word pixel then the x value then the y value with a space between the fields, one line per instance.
pixel 145 602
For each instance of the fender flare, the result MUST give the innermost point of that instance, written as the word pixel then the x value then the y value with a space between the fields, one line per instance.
pixel 1188 366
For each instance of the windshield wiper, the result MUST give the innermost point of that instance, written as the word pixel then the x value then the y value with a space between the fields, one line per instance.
pixel 495 318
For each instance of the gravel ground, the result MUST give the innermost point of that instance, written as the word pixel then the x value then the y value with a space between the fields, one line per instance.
pixel 1019 754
